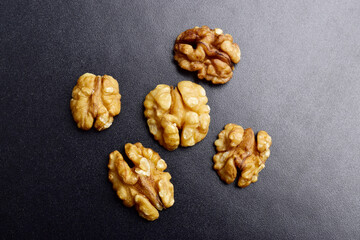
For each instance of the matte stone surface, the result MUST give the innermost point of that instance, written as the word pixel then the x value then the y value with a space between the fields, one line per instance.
pixel 298 79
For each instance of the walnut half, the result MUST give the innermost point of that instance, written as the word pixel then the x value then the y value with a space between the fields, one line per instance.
pixel 95 97
pixel 208 51
pixel 237 148
pixel 170 109
pixel 146 185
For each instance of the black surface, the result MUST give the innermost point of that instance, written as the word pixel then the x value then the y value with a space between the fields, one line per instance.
pixel 298 79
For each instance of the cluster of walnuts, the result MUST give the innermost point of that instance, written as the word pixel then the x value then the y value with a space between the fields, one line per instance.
pixel 175 116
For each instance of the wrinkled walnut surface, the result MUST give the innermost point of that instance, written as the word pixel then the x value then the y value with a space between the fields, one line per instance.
pixel 95 97
pixel 145 185
pixel 237 148
pixel 169 109
pixel 208 51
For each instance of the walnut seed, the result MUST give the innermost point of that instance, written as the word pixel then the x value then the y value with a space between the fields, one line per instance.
pixel 146 185
pixel 169 110
pixel 237 148
pixel 95 97
pixel 207 51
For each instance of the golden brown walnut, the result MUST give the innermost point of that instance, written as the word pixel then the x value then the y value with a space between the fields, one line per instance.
pixel 208 51
pixel 237 148
pixel 95 97
pixel 169 109
pixel 145 185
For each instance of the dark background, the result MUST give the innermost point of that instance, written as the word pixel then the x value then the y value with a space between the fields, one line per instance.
pixel 298 79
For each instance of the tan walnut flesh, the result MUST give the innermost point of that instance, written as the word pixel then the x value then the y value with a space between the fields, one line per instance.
pixel 169 110
pixel 237 148
pixel 145 185
pixel 207 51
pixel 95 97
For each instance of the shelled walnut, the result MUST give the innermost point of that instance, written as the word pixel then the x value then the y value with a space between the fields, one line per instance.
pixel 237 148
pixel 145 185
pixel 169 109
pixel 95 97
pixel 208 51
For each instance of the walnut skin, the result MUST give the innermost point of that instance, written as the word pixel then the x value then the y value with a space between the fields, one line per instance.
pixel 168 110
pixel 208 51
pixel 145 185
pixel 95 97
pixel 237 148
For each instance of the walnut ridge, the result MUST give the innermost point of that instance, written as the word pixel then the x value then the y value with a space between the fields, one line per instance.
pixel 95 97
pixel 145 185
pixel 237 148
pixel 208 51
pixel 184 108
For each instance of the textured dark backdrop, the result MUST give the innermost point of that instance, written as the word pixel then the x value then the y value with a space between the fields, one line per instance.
pixel 298 79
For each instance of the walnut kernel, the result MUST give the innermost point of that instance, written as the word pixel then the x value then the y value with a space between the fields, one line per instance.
pixel 145 185
pixel 208 51
pixel 170 109
pixel 95 97
pixel 237 148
